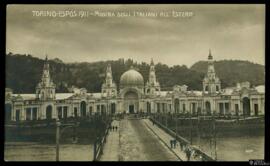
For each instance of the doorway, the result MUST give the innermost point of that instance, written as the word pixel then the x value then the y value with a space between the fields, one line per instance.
pixel 256 109
pixel 131 109
pixel 246 106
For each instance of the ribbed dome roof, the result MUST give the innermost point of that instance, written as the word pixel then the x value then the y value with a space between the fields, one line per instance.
pixel 131 78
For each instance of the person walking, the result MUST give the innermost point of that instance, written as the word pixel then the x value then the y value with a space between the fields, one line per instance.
pixel 171 141
pixel 112 128
pixel 188 153
pixel 181 145
pixel 116 128
pixel 175 143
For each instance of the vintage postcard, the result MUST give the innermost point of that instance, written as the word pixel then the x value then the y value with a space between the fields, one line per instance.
pixel 145 82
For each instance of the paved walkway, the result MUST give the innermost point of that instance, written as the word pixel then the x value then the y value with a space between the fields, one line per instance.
pixel 111 147
pixel 139 143
pixel 134 141
pixel 165 138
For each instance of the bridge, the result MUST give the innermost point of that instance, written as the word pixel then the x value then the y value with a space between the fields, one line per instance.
pixel 139 139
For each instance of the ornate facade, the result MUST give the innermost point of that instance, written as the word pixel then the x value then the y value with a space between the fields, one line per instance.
pixel 134 96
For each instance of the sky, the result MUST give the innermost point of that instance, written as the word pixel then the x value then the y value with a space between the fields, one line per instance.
pixel 61 31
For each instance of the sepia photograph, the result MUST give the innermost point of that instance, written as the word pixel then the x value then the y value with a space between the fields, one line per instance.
pixel 135 82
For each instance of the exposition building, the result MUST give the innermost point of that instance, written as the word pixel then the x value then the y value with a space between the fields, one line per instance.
pixel 135 96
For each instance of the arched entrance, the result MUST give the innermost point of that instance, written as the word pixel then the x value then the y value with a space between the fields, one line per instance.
pixel 176 105
pixel 131 104
pixel 8 110
pixel 208 107
pixel 83 109
pixel 49 112
pixel 246 106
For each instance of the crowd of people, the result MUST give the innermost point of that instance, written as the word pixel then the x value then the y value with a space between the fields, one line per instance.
pixel 187 149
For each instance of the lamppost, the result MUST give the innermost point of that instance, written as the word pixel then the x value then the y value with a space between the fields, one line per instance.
pixel 166 115
pixel 176 126
pixel 59 131
pixel 58 124
pixel 215 141
pixel 190 119
pixel 198 130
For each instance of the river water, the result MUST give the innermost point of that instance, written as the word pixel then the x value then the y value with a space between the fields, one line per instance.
pixel 230 146
pixel 233 147
pixel 22 151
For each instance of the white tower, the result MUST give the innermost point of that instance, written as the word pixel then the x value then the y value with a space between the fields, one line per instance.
pixel 152 85
pixel 45 89
pixel 109 87
pixel 211 83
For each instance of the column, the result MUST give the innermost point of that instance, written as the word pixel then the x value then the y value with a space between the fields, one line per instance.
pixel 224 110
pixel 31 113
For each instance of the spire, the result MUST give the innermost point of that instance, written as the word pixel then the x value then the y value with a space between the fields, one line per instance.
pixel 46 64
pixel 210 57
pixel 152 62
pixel 109 68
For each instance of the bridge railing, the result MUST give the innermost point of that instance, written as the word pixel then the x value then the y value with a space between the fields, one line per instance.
pixel 205 156
pixel 99 145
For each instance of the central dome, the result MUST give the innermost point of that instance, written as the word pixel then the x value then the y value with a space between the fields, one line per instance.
pixel 131 78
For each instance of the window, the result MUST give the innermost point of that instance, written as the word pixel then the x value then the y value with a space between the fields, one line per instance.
pixel 75 112
pixel 163 107
pixel 98 109
pixel 221 109
pixel 49 112
pixel 236 109
pixel 59 109
pixel 256 109
pixel 176 105
pixel 28 113
pixel 158 107
pixel 227 108
pixel 65 111
pixel 90 110
pixel 18 115
pixel 193 105
pixel 206 88
pixel 34 113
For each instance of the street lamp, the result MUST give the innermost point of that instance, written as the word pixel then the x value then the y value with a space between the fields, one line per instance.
pixel 58 124
pixel 176 127
pixel 59 131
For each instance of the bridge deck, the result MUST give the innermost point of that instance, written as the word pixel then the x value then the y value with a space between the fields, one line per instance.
pixel 135 142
